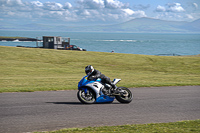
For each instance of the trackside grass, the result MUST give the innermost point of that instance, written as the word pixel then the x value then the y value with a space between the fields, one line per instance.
pixel 172 127
pixel 31 69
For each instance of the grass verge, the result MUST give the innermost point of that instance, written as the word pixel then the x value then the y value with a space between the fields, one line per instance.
pixel 172 127
pixel 31 69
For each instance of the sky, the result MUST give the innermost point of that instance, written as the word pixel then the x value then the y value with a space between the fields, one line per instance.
pixel 95 12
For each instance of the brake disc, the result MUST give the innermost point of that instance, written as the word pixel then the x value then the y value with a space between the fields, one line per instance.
pixel 125 93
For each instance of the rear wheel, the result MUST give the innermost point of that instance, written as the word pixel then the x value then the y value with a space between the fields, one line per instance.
pixel 86 98
pixel 125 95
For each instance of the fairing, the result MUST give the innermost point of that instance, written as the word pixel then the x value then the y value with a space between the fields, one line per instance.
pixel 96 86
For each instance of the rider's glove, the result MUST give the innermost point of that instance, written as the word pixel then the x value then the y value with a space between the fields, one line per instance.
pixel 94 77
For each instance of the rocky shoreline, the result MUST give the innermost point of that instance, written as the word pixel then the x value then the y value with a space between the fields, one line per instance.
pixel 2 38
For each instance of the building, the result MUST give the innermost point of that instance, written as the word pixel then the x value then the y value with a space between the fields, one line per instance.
pixel 55 42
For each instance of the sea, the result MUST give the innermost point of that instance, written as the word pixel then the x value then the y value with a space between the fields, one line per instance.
pixel 168 44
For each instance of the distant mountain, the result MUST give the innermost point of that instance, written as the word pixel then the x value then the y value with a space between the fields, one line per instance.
pixel 150 25
pixel 193 26
pixel 196 23
pixel 138 25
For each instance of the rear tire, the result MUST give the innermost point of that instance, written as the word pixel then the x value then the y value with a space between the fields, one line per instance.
pixel 125 96
pixel 86 98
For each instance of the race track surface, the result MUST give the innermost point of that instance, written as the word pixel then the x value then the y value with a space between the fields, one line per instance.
pixel 52 110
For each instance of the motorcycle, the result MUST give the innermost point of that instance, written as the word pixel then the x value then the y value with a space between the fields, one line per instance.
pixel 93 91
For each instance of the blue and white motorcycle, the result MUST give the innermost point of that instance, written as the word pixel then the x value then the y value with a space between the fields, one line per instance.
pixel 96 92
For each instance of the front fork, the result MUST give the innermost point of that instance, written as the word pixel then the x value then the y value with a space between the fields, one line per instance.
pixel 85 91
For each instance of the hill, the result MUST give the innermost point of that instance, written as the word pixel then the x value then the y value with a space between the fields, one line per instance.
pixel 138 25
pixel 150 25
pixel 193 26
pixel 34 69
pixel 143 25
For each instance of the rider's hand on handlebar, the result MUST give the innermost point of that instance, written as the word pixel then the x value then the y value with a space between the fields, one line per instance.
pixel 94 77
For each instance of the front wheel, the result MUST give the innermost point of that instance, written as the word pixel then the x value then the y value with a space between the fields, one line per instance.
pixel 86 98
pixel 125 95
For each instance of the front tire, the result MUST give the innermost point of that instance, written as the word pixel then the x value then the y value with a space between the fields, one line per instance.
pixel 125 95
pixel 86 98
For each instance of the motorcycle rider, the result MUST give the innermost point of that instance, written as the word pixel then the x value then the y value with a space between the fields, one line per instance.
pixel 94 74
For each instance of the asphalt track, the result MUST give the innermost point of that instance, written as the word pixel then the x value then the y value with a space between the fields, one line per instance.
pixel 52 110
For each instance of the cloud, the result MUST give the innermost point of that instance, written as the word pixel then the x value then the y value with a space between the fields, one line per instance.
pixel 195 5
pixel 11 3
pixel 175 11
pixel 91 4
pixel 170 7
pixel 114 4
pixel 99 11
pixel 189 16
pixel 170 11
pixel 37 3
pixel 160 8
pixel 83 10
pixel 141 7
pixel 53 6
pixel 175 7
pixel 140 13
pixel 67 5
pixel 130 12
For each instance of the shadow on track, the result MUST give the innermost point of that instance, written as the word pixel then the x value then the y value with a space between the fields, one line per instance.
pixel 72 103
pixel 77 103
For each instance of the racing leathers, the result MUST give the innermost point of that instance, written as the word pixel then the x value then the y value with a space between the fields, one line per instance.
pixel 104 79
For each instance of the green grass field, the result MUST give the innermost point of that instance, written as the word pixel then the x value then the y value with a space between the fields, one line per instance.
pixel 172 127
pixel 32 69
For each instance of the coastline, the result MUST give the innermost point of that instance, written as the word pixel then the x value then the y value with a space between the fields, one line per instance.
pixel 5 38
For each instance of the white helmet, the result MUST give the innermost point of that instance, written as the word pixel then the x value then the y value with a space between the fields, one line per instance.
pixel 89 69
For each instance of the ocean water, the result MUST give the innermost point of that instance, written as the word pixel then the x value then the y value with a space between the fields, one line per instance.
pixel 131 43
